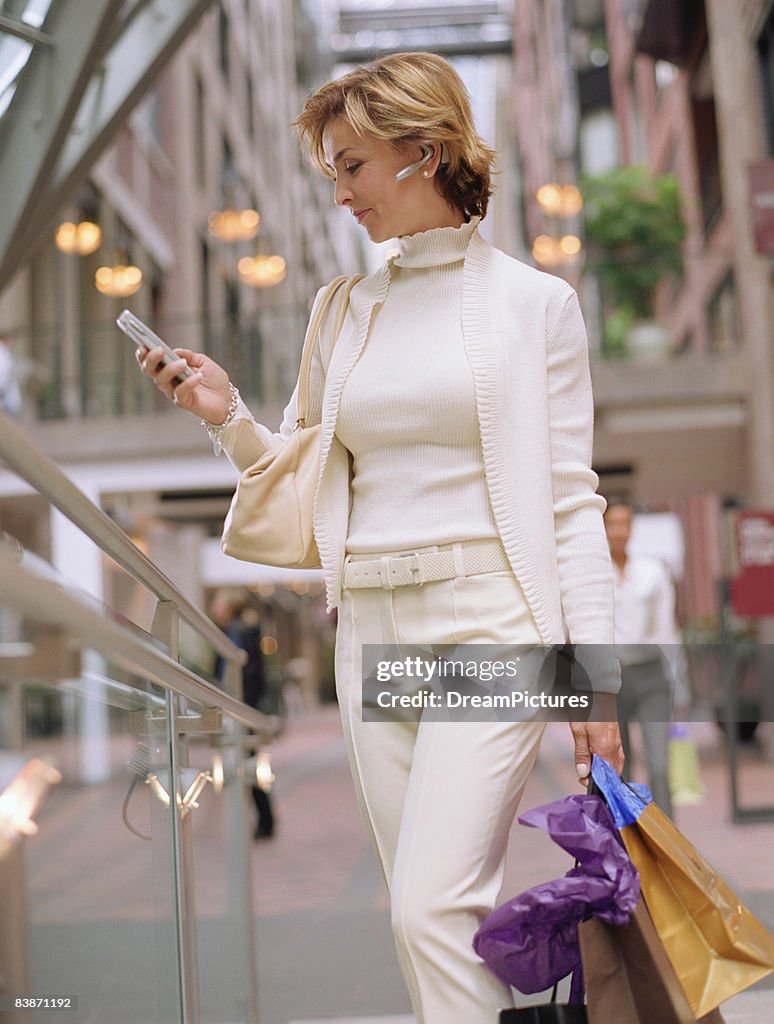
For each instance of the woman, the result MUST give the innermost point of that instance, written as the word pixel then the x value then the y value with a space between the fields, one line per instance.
pixel 455 505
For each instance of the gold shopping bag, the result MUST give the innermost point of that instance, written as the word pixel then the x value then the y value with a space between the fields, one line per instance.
pixel 716 946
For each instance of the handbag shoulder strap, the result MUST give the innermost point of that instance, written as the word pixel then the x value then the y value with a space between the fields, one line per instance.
pixel 345 284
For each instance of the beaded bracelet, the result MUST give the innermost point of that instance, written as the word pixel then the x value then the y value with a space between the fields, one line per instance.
pixel 215 430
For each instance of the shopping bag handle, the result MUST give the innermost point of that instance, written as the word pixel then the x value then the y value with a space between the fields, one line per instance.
pixel 594 790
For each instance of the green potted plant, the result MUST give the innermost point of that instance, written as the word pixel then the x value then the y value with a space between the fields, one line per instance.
pixel 634 232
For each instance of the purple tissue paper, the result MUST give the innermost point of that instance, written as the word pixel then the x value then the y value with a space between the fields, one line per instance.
pixel 531 942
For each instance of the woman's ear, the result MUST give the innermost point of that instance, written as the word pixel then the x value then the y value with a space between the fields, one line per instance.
pixel 437 150
pixel 440 157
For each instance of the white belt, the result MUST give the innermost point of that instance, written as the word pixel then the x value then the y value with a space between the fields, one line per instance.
pixel 389 571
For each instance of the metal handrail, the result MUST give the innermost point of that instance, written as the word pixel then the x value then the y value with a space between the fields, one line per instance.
pixel 45 476
pixel 46 602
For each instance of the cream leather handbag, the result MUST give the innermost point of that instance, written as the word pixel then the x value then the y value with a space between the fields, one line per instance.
pixel 270 518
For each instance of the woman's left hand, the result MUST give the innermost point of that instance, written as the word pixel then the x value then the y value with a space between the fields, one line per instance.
pixel 600 737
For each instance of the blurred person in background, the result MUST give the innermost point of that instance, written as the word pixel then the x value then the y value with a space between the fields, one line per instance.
pixel 648 646
pixel 10 392
pixel 455 500
pixel 241 624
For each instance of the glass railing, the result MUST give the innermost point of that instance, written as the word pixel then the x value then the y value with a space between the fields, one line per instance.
pixel 100 900
pixel 124 871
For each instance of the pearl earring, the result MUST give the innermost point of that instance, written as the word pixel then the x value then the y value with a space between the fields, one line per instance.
pixel 425 174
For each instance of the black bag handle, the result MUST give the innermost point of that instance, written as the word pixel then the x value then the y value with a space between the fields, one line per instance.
pixel 594 790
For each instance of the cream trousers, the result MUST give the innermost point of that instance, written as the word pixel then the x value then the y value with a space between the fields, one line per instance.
pixel 438 797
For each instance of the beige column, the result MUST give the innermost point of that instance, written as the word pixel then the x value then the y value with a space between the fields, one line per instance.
pixel 741 130
pixel 738 100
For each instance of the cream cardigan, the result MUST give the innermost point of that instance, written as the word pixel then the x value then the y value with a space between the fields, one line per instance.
pixel 527 346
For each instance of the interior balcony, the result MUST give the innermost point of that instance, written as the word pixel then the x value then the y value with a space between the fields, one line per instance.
pixel 675 427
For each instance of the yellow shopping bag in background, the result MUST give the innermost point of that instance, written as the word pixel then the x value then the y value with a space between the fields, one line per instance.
pixel 685 785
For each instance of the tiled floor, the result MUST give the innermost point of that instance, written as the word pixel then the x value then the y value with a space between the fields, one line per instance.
pixel 324 946
pixel 321 852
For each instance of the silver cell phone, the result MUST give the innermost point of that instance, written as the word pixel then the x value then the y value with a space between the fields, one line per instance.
pixel 144 337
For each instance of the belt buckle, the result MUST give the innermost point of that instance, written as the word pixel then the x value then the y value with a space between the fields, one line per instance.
pixel 415 569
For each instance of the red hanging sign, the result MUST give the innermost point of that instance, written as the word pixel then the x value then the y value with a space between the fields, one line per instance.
pixel 762 201
pixel 752 591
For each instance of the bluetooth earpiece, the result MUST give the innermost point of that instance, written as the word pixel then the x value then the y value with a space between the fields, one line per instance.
pixel 427 154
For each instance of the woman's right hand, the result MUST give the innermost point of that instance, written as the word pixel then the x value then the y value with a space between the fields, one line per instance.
pixel 205 394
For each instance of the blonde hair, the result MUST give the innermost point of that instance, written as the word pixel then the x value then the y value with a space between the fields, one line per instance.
pixel 401 98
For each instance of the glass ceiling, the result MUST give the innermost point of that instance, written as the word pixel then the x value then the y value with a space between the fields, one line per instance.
pixel 61 61
pixel 14 50
pixel 22 26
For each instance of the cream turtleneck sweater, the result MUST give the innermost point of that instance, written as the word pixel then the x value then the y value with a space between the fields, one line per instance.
pixel 408 409
pixel 526 346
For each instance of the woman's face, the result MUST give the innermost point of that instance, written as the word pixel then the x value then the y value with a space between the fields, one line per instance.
pixel 365 170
